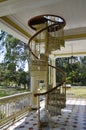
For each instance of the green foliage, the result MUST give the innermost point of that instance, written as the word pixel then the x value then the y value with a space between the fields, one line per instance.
pixel 76 73
pixel 23 78
pixel 16 51
pixel 15 58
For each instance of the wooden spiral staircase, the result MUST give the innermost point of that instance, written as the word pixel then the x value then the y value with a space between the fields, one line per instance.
pixel 48 36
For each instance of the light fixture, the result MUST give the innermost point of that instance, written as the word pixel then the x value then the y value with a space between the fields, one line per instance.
pixel 72 59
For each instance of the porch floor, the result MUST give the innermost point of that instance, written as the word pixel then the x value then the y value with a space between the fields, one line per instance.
pixel 73 117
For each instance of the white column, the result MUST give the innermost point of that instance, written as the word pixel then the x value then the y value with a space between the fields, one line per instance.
pixel 34 88
pixel 54 73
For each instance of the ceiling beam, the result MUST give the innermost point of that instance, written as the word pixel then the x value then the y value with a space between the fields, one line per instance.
pixel 3 0
pixel 68 54
pixel 16 26
pixel 75 36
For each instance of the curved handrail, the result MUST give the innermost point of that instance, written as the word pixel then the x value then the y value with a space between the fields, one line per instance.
pixel 57 68
pixel 59 25
pixel 63 73
pixel 36 35
pixel 37 20
pixel 43 17
pixel 44 93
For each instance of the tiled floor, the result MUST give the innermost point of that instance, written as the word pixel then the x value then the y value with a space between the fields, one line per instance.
pixel 73 118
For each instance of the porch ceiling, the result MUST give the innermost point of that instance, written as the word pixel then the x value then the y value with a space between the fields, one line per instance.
pixel 14 16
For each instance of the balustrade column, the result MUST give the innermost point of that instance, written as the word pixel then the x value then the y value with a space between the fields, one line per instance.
pixel 53 73
pixel 34 88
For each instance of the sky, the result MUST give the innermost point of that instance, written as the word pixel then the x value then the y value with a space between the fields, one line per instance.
pixel 2 56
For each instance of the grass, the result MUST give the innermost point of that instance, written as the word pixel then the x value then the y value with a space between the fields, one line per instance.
pixel 10 91
pixel 77 92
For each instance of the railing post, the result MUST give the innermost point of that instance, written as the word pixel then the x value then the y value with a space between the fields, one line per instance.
pixel 10 107
pixel 38 99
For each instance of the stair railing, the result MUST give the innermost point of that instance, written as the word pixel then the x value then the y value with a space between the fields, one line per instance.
pixel 49 37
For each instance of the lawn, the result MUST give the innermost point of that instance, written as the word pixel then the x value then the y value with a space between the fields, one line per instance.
pixel 77 92
pixel 10 91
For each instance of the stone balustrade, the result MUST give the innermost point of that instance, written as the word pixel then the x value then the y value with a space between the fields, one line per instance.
pixel 14 107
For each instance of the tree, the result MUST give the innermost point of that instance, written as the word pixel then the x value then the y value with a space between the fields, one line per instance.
pixel 23 78
pixel 76 73
pixel 16 51
pixel 15 57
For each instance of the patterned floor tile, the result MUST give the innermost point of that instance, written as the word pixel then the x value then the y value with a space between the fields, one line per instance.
pixel 73 117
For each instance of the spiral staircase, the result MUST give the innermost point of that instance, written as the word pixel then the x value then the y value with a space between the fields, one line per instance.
pixel 48 37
